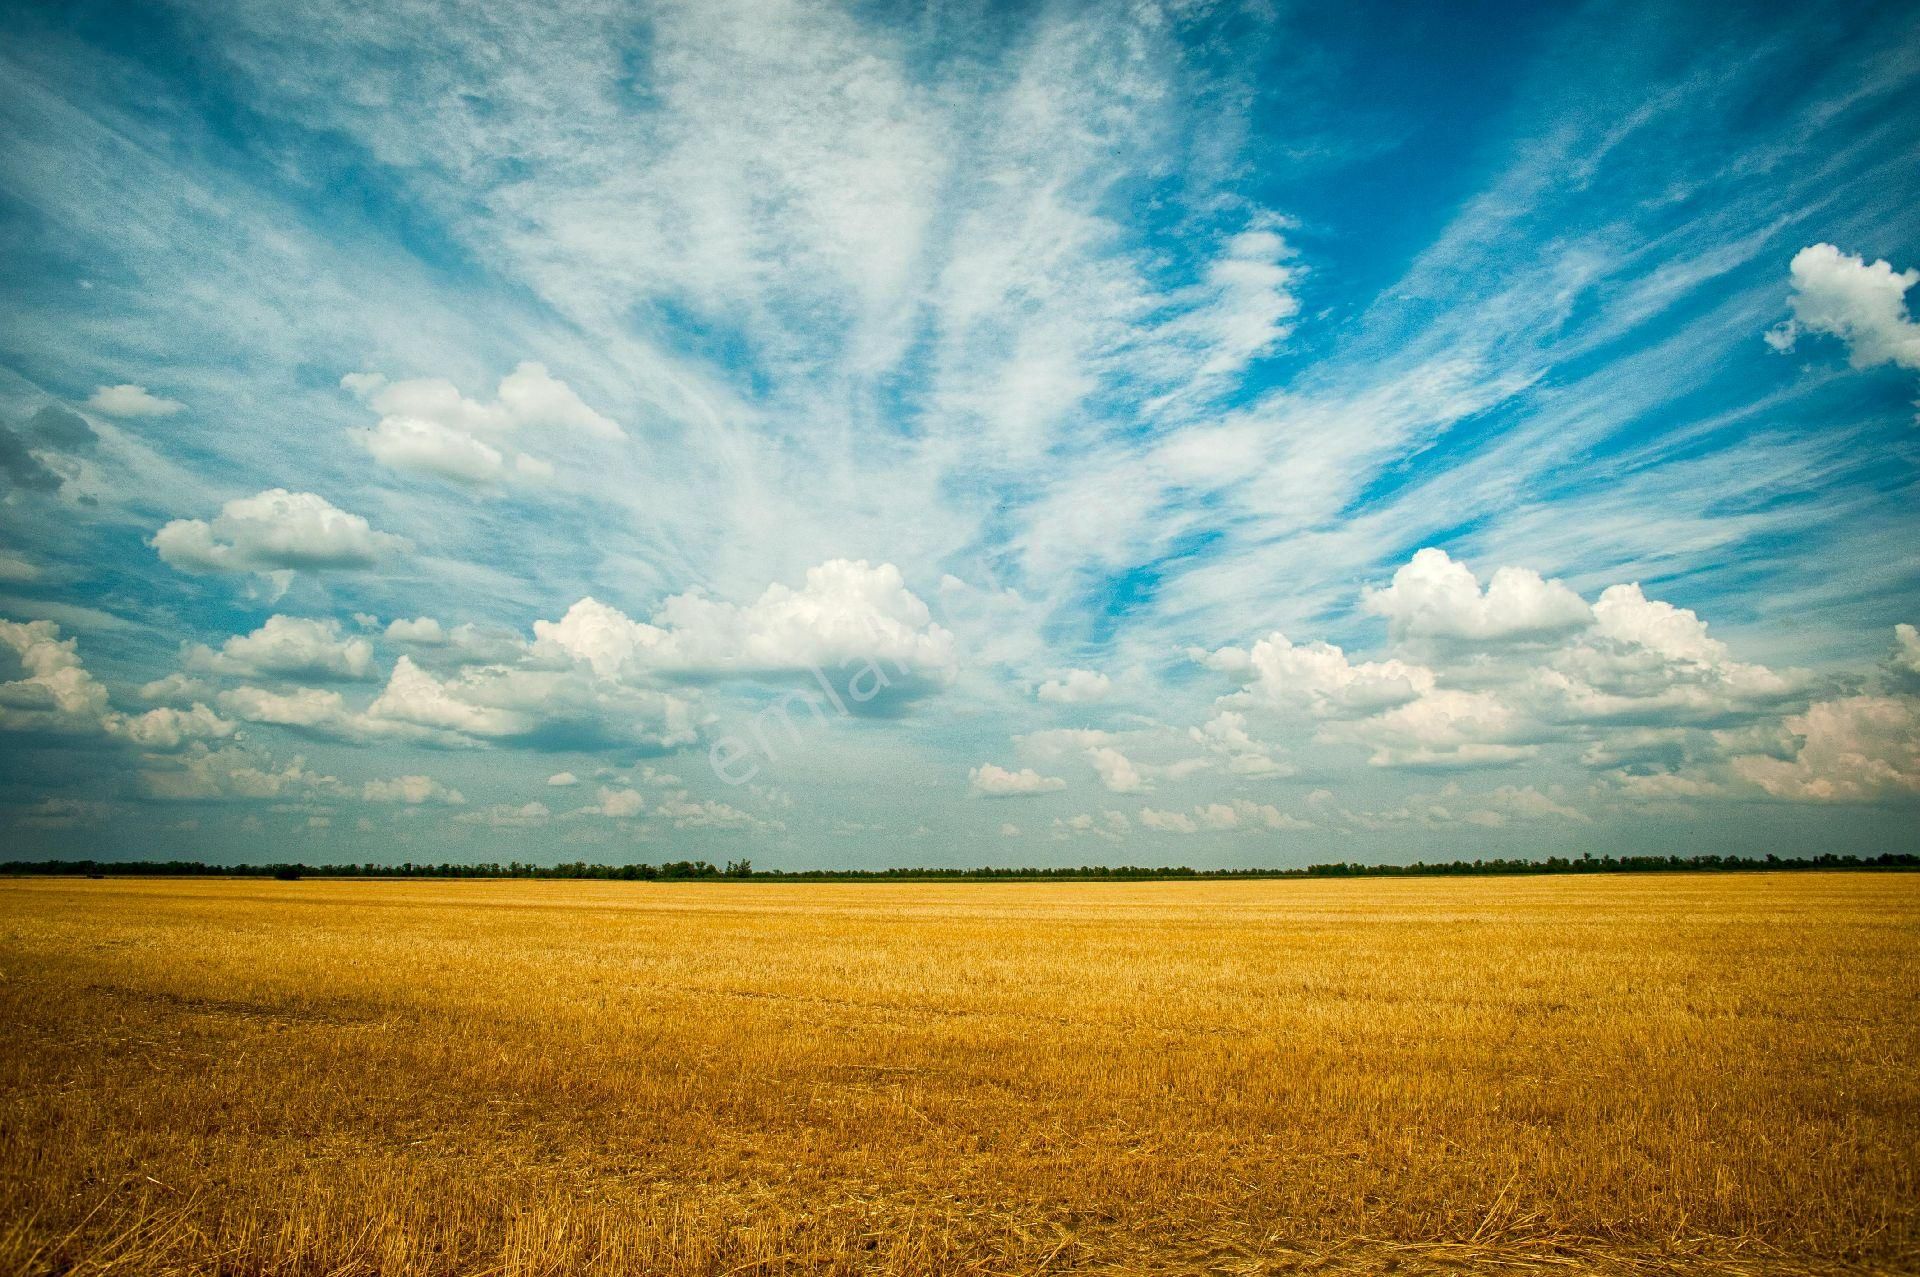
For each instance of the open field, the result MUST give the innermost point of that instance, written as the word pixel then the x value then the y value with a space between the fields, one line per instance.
pixel 1573 1074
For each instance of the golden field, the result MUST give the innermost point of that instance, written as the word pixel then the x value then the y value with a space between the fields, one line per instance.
pixel 1620 1074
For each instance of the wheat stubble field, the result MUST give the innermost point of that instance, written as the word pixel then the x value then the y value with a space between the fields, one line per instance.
pixel 1620 1074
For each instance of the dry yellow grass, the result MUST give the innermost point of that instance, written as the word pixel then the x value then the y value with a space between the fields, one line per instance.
pixel 1566 1074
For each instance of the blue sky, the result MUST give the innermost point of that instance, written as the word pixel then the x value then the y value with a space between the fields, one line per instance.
pixel 958 434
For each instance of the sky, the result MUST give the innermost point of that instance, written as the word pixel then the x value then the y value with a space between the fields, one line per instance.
pixel 958 434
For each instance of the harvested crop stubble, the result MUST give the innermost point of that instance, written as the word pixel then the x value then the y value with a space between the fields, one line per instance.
pixel 1559 1074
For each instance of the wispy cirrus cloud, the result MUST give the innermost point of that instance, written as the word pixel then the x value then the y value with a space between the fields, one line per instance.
pixel 579 387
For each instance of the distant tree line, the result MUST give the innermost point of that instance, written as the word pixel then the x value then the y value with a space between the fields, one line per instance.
pixel 698 870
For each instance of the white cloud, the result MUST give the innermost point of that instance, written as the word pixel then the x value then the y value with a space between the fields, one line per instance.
pixel 559 709
pixel 685 812
pixel 1434 597
pixel 289 647
pixel 427 426
pixel 412 791
pixel 168 728
pixel 1453 807
pixel 1253 304
pixel 1904 660
pixel 1837 294
pixel 1009 830
pixel 991 781
pixel 1168 822
pixel 315 711
pixel 422 631
pixel 1649 660
pixel 405 443
pixel 1444 727
pixel 847 614
pixel 1242 813
pixel 1117 772
pixel 562 780
pixel 131 401
pixel 1519 666
pixel 1855 749
pixel 463 642
pixel 618 804
pixel 1525 802
pixel 56 693
pixel 532 398
pixel 603 637
pixel 507 816
pixel 414 696
pixel 1317 677
pixel 232 774
pixel 177 689
pixel 1110 824
pixel 275 531
pixel 1076 687
pixel 1226 735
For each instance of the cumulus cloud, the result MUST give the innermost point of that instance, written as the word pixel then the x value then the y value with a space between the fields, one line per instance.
pixel 414 696
pixel 562 780
pixel 1134 761
pixel 507 816
pixel 55 693
pixel 128 400
pixel 675 807
pixel 1443 727
pixel 1168 822
pixel 1317 677
pixel 848 616
pixel 168 728
pixel 422 631
pixel 1110 825
pixel 177 689
pixel 275 531
pixel 992 781
pixel 1903 662
pixel 618 804
pixel 1242 813
pixel 402 443
pixel 289 647
pixel 1435 597
pixel 1454 807
pixel 427 426
pixel 1226 735
pixel 551 709
pixel 686 812
pixel 232 774
pixel 1510 669
pixel 1837 294
pixel 1076 687
pixel 1646 660
pixel 1855 749
pixel 1116 771
pixel 413 791
pixel 463 642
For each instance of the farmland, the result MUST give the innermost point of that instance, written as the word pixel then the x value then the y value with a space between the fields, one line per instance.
pixel 1708 1072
